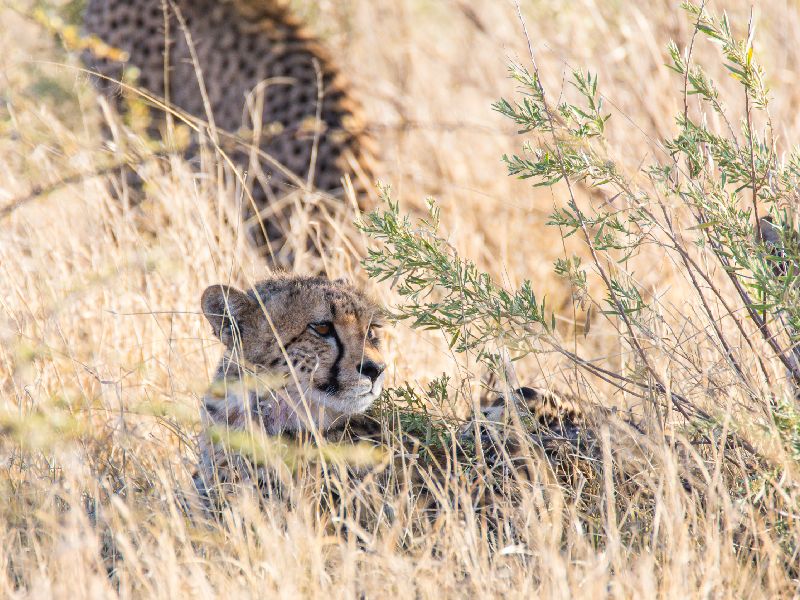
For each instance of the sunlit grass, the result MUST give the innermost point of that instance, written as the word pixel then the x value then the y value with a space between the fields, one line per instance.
pixel 104 352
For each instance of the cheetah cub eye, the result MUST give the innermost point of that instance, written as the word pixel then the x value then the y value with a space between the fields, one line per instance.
pixel 323 329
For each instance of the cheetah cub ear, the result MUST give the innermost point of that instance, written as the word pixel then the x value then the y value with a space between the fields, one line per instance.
pixel 230 312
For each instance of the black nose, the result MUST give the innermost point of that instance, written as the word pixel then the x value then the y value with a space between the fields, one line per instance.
pixel 371 369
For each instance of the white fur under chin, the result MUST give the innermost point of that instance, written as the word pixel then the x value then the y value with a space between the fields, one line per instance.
pixel 352 403
pixel 317 409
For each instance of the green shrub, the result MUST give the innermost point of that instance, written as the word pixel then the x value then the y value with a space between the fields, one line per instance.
pixel 719 202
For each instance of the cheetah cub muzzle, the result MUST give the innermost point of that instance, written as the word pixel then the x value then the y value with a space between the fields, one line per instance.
pixel 301 353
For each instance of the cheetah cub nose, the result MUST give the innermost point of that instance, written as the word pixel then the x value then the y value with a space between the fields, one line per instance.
pixel 371 369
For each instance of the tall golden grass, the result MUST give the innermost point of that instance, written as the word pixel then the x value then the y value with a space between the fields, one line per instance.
pixel 104 352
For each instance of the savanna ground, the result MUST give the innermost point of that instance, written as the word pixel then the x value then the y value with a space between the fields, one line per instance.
pixel 105 354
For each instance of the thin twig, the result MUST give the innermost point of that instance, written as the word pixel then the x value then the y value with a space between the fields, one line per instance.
pixel 748 113
pixel 45 189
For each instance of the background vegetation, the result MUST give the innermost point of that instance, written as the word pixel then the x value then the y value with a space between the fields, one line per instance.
pixel 668 302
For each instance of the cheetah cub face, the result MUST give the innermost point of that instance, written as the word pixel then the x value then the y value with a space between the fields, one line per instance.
pixel 320 335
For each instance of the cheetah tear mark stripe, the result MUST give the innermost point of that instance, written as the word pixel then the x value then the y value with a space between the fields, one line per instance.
pixel 332 385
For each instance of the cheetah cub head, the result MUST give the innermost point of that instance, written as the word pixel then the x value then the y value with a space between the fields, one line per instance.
pixel 322 336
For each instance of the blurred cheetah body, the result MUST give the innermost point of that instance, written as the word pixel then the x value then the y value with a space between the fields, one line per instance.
pixel 250 69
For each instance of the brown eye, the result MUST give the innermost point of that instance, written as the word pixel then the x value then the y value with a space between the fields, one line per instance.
pixel 324 328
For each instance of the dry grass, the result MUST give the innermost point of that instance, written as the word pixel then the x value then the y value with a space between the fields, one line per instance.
pixel 100 329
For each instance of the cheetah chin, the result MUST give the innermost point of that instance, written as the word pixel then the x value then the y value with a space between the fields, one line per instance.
pixel 350 404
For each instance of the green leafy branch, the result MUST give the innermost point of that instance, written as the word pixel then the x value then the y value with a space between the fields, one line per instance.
pixel 443 291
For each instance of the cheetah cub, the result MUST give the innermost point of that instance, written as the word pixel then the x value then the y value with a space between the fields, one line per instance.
pixel 301 353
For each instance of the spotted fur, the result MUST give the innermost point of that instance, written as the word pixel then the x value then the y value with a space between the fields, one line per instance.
pixel 302 354
pixel 260 78
pixel 542 405
pixel 529 425
pixel 515 431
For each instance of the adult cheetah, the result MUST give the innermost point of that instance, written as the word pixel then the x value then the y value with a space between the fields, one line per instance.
pixel 253 78
pixel 302 358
